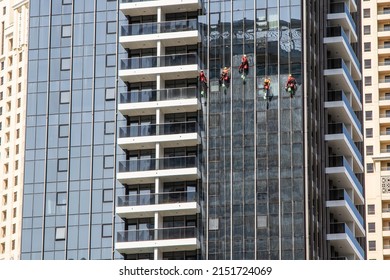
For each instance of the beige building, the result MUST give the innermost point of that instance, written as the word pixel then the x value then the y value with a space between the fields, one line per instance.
pixel 376 72
pixel 13 79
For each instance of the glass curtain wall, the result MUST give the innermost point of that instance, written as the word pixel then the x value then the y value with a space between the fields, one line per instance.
pixel 70 135
pixel 255 171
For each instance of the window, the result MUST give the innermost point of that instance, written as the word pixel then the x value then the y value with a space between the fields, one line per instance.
pixel 371 245
pixel 368 97
pixel 369 132
pixel 19 87
pixel 366 13
pixel 14 212
pixel 18 133
pixel 66 31
pixel 60 233
pixel 368 81
pixel 15 196
pixel 367 64
pixel 109 128
pixel 65 64
pixel 111 27
pixel 368 115
pixel 19 103
pixel 20 72
pixel 107 195
pixel 367 30
pixel 110 94
pixel 66 2
pixel 63 131
pixel 108 162
pixel 106 230
pixel 20 57
pixel 370 168
pixel 3 231
pixel 62 165
pixel 110 60
pixel 371 209
pixel 13 228
pixel 371 227
pixel 64 97
pixel 61 198
pixel 15 180
pixel 369 150
pixel 367 46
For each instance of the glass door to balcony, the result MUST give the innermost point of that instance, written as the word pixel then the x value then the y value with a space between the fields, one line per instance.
pixel 386 27
pixel 387 79
pixel 387 114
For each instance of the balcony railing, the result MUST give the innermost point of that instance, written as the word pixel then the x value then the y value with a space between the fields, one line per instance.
pixel 337 63
pixel 339 95
pixel 338 31
pixel 159 27
pixel 383 12
pixel 339 128
pixel 385 210
pixel 158 129
pixel 343 228
pixel 385 168
pixel 342 7
pixel 384 80
pixel 154 198
pixel 386 228
pixel 156 234
pixel 384 97
pixel 384 46
pixel 340 161
pixel 158 164
pixel 343 195
pixel 150 95
pixel 159 61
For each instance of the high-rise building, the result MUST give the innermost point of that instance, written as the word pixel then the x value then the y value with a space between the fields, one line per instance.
pixel 376 73
pixel 70 130
pixel 242 169
pixel 13 87
pixel 241 172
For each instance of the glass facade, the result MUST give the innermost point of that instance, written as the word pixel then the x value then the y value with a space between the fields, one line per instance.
pixel 70 135
pixel 255 169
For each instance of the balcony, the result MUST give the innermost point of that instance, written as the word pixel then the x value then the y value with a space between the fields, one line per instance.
pixel 340 140
pixel 170 67
pixel 341 172
pixel 339 76
pixel 386 231
pixel 170 169
pixel 167 204
pixel 385 212
pixel 150 7
pixel 145 102
pixel 383 31
pixel 384 83
pixel 168 135
pixel 344 241
pixel 340 14
pixel 383 48
pixel 384 100
pixel 338 42
pixel 340 109
pixel 384 118
pixel 386 249
pixel 340 204
pixel 172 33
pixel 166 239
pixel 384 66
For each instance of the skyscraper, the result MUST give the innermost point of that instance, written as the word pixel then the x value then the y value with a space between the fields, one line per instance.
pixel 70 140
pixel 242 169
pixel 376 58
pixel 13 87
pixel 242 172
